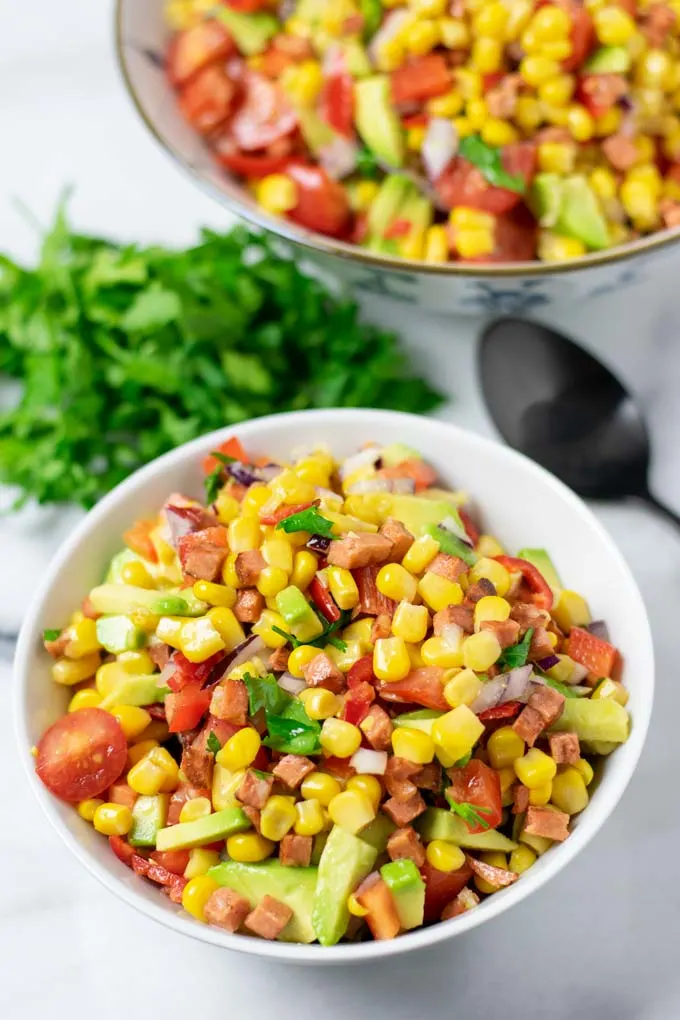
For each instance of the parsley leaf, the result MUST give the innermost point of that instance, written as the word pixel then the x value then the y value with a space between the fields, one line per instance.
pixel 326 637
pixel 51 634
pixel 213 483
pixel 212 743
pixel 488 160
pixel 291 731
pixel 470 813
pixel 452 545
pixel 367 164
pixel 290 638
pixel 307 520
pixel 516 655
pixel 291 736
pixel 264 692
pixel 462 762
pixel 564 689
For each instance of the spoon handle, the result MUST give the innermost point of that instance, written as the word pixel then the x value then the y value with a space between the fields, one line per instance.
pixel 660 508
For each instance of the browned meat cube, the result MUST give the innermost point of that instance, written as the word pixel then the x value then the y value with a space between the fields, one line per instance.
pixel 403 812
pixel 255 789
pixel 278 660
pixel 322 672
pixel 253 816
pixel 548 822
pixel 521 799
pixel 197 765
pixel 564 748
pixel 429 777
pixel 406 843
pixel 249 566
pixel 292 769
pixel 230 701
pixel 541 646
pixel 249 605
pixel 382 627
pixel 269 918
pixel 528 615
pixel 398 778
pixel 529 724
pixel 462 616
pixel 377 728
pixel 450 567
pixel 465 900
pixel 202 553
pixel 399 536
pixel 479 590
pixel 548 703
pixel 295 851
pixel 359 549
pixel 226 909
pixel 507 631
pixel 498 877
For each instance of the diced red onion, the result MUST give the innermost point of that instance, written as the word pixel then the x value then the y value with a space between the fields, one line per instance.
pixel 184 520
pixel 270 471
pixel 548 662
pixel 291 684
pixel 339 157
pixel 439 146
pixel 452 635
pixel 370 485
pixel 360 460
pixel 246 650
pixel 319 544
pixel 244 474
pixel 599 629
pixel 165 674
pixel 513 686
pixel 456 528
pixel 367 762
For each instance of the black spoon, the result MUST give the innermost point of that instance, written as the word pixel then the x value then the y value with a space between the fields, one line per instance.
pixel 556 403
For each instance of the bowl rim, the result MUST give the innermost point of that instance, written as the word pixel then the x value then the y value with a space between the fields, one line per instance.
pixel 559 856
pixel 320 243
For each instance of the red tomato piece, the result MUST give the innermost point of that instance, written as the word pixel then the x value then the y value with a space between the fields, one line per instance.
pixel 361 672
pixel 441 887
pixel 138 539
pixel 179 798
pixel 471 529
pixel 543 596
pixel 422 686
pixel 322 203
pixel 323 600
pixel 264 117
pixel 598 656
pixel 230 448
pixel 81 754
pixel 461 183
pixel 122 849
pixel 339 767
pixel 250 165
pixel 415 120
pixel 208 99
pixel 191 51
pixel 184 709
pixel 285 511
pixel 398 228
pixel 489 81
pixel 358 700
pixel 337 103
pixel 506 711
pixel 478 784
pixel 191 672
pixel 599 93
pixel 246 6
pixel 582 36
pixel 417 470
pixel 172 860
pixel 423 78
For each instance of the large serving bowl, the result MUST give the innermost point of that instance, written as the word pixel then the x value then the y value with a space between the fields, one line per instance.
pixel 142 38
pixel 517 500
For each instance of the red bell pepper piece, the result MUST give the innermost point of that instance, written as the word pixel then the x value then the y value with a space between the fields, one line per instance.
pixel 230 448
pixel 323 600
pixel 285 511
pixel 185 709
pixel 598 656
pixel 122 849
pixel 506 711
pixel 187 673
pixel 543 596
pixel 361 672
pixel 138 539
pixel 358 700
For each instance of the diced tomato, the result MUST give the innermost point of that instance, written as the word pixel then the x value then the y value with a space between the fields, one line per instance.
pixel 358 700
pixel 599 93
pixel 441 887
pixel 471 529
pixel 323 600
pixel 339 767
pixel 262 761
pixel 191 672
pixel 599 657
pixel 122 849
pixel 461 183
pixel 285 511
pixel 253 165
pixel 208 99
pixel 490 80
pixel 230 448
pixel 179 798
pixel 417 470
pixel 415 120
pixel 184 709
pixel 264 116
pixel 543 596
pixel 322 203
pixel 337 103
pixel 81 754
pixel 515 238
pixel 172 860
pixel 361 672
pixel 505 711
pixel 246 6
pixel 582 36
pixel 423 78
pixel 371 600
pixel 138 539
pixel 191 51
pixel 422 686
pixel 478 784
pixel 398 228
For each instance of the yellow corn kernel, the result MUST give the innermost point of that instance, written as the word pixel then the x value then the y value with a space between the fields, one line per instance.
pixel 229 574
pixel 556 157
pixel 87 808
pixel 640 203
pixel 299 658
pixel 112 819
pixel 196 894
pixel 557 248
pixel 390 659
pixel 580 123
pixel 139 750
pixel 316 468
pixel 528 113
pixel 438 652
pixel 611 689
pixel 410 622
pixel 355 908
pixel 340 738
pixel 498 132
pixel 390 54
pixel 603 183
pixel 243 534
pixel 613 26
pixel 156 772
pixel 493 571
pixel 569 791
pixel 521 859
pixel 276 193
pixel 360 631
pixel 540 795
pixel 74 671
pixel 195 808
pixel 320 703
pixel 571 610
pixel 168 630
pixel 240 750
pixel 215 594
pixel 473 243
pixel 448 105
pixel 504 746
pixel 305 565
pixel 647 174
pixel 363 195
pixel 507 779
pixel 462 689
pixel 490 20
pixel 224 787
pixel 227 626
pixel 454 34
pixel 292 489
pixel 343 587
pixel 549 24
pixel 429 8
pixel 227 507
pixel 351 811
pixel 367 785
pixel 421 554
pixel 436 245
pixel 136 573
pixel 133 720
pixel 344 660
pixel 520 12
pixel 455 733
pixel 480 651
pixel 200 862
pixel 320 786
pixel 309 820
pixel 395 582
pixel 534 768
pixel 438 592
pixel 491 608
pixel 413 744
pixel 496 860
pixel 444 856
pixel 422 37
pixel 585 769
pixel 302 82
pixel 200 639
pixel 144 619
pixel 87 698
pixel 249 847
pixel 609 123
pixel 487 547
pixel 477 113
pixel 271 581
pixel 463 127
pixel 536 69
pixel 415 136
pixel 278 817
pixel 557 91
pixel 83 639
pixel 278 553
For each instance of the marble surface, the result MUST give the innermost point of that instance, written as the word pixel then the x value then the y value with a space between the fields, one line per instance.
pixel 601 940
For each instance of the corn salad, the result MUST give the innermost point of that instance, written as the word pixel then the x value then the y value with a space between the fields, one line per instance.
pixel 327 667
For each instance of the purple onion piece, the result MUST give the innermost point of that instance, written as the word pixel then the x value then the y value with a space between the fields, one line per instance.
pixel 184 520
pixel 251 646
pixel 244 474
pixel 319 544
pixel 548 662
pixel 513 686
pixel 599 629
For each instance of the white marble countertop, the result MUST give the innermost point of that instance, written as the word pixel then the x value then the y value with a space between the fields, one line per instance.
pixel 601 940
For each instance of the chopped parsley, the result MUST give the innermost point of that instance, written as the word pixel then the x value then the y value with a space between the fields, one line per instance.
pixel 516 655
pixel 470 813
pixel 290 730
pixel 212 743
pixel 488 161
pixel 215 480
pixel 327 636
pixel 307 520
pixel 51 634
pixel 564 689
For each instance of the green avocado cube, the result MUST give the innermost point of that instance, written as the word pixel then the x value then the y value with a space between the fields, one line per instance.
pixel 251 32
pixel 135 690
pixel 119 634
pixel 219 825
pixel 376 121
pixel 377 832
pixel 593 721
pixel 452 544
pixel 149 815
pixel 609 60
pixel 540 559
pixel 293 886
pixel 387 204
pixel 438 823
pixel 397 453
pixel 298 614
pixel 406 884
pixel 345 861
pixel 422 719
pixel 115 599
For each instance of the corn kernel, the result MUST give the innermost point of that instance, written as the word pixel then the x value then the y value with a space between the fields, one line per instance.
pixel 390 659
pixel 200 862
pixel 367 785
pixel 360 631
pixel 227 507
pixel 138 750
pixel 351 811
pixel 498 132
pixel 586 770
pixel 200 639
pixel 112 819
pixel 436 245
pixel 536 69
pixel 364 194
pixel 305 565
pixel 278 817
pixel 462 689
pixel 613 26
pixel 549 24
pixel 309 819
pixel 504 746
pixel 410 622
pixel 557 248
pixel 438 592
pixel 491 20
pixel 556 157
pixel 540 795
pixel 240 750
pixel 454 34
pixel 477 113
pixel 438 652
pixel 133 720
pixel 493 571
pixel 168 630
pixel 390 54
pixel 580 123
pixel 421 554
pixel 227 626
pixel 83 639
pixel 603 183
pixel 534 768
pixel 521 859
pixel 422 37
pixel 249 847
pixel 196 894
pixel 395 582
pixel 276 193
pixel 507 778
pixel 480 651
pixel 299 658
pixel 343 587
pixel 412 744
pixel 520 13
pixel 491 608
pixel 320 703
pixel 243 534
pixel 340 738
pixel 156 772
pixel 355 908
pixel 444 856
pixel 271 581
pixel 87 698
pixel 74 671
pixel 195 808
pixel 528 113
pixel 487 55
pixel 569 791
pixel 571 610
pixel 474 243
pixel 611 689
pixel 320 786
pixel 292 489
pixel 609 123
pixel 455 733
pixel 639 201
pixel 557 91
pixel 215 594
pixel 463 127
pixel 448 105
pixel 87 808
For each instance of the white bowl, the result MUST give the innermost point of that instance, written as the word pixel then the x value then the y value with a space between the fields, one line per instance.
pixel 517 500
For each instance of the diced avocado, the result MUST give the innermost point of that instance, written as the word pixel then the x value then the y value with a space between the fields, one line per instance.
pixel 377 832
pixel 113 599
pixel 251 32
pixel 376 120
pixel 135 690
pixel 419 514
pixel 406 884
pixel 315 131
pixel 114 573
pixel 387 203
pixel 580 214
pixel 437 823
pixel 219 825
pixel 149 815
pixel 356 58
pixel 452 544
pixel 345 861
pixel 600 747
pixel 397 453
pixel 318 846
pixel 609 60
pixel 540 559
pixel 372 13
pixel 537 843
pixel 418 212
pixel 298 614
pixel 293 886
pixel 382 245
pixel 593 721
pixel 421 719
pixel 545 198
pixel 119 634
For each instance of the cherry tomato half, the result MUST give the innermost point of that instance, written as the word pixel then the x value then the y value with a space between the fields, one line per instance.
pixel 478 784
pixel 264 116
pixel 82 754
pixel 322 203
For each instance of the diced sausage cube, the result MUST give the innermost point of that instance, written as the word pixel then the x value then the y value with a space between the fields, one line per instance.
pixel 159 653
pixel 322 672
pixel 658 20
pixel 382 627
pixel 670 212
pixel 230 701
pixel 403 812
pixel 479 590
pixel 399 536
pixel 564 748
pixel 529 725
pixel 547 822
pixel 620 150
pixel 253 815
pixel 278 660
pixel 269 918
pixel 292 769
pixel 502 99
pixel 406 843
pixel 429 777
pixel 498 877
pixel 202 553
pixel 465 900
pixel 450 567
pixel 528 615
pixel 197 765
pixel 249 604
pixel 255 789
pixel 462 616
pixel 541 646
pixel 377 728
pixel 507 631
pixel 56 648
pixel 548 703
pixel 295 851
pixel 226 909
pixel 249 566
pixel 359 549
pixel 398 778
pixel 521 799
